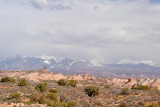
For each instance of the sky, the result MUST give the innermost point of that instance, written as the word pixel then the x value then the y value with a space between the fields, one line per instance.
pixel 106 30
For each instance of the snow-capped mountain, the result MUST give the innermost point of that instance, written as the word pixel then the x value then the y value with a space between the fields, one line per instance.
pixel 52 63
pixel 94 62
pixel 73 66
pixel 134 62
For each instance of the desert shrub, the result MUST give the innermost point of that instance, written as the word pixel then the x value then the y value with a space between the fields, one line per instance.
pixel 61 82
pixel 72 83
pixel 33 98
pixel 141 103
pixel 53 90
pixel 142 87
pixel 149 105
pixel 52 96
pixel 8 79
pixel 23 82
pixel 56 104
pixel 91 91
pixel 28 103
pixel 42 87
pixel 71 104
pixel 159 103
pixel 123 105
pixel 15 96
pixel 41 99
pixel 63 98
pixel 125 91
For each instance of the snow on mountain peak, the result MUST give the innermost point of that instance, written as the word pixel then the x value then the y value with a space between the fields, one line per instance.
pixel 94 62
pixel 134 62
pixel 46 62
pixel 47 58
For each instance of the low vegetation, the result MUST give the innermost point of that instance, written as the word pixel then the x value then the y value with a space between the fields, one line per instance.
pixel 62 82
pixel 125 91
pixel 42 87
pixel 86 94
pixel 23 82
pixel 8 79
pixel 16 97
pixel 53 90
pixel 91 91
pixel 142 87
pixel 73 83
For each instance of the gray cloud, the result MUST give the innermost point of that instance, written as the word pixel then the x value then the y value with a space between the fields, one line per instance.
pixel 114 30
pixel 39 3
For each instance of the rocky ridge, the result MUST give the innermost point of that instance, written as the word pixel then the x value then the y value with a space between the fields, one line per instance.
pixel 132 82
pixel 44 75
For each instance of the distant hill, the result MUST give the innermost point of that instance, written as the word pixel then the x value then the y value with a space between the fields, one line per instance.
pixel 122 69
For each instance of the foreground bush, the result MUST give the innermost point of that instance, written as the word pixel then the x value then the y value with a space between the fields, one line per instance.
pixel 61 104
pixel 123 105
pixel 23 82
pixel 71 104
pixel 42 87
pixel 142 87
pixel 62 82
pixel 91 91
pixel 8 79
pixel 40 98
pixel 52 96
pixel 72 83
pixel 15 96
pixel 125 91
pixel 53 90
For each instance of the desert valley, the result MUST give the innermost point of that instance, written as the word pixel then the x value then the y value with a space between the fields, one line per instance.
pixel 43 88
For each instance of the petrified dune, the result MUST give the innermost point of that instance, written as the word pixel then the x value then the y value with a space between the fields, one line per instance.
pixel 43 75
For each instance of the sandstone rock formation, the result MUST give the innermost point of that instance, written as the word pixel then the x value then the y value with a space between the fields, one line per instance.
pixel 156 84
pixel 43 75
pixel 79 77
pixel 132 82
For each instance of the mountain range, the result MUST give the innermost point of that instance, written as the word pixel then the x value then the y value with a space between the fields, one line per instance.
pixel 122 69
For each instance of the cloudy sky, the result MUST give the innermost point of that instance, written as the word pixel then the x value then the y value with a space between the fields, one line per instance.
pixel 106 30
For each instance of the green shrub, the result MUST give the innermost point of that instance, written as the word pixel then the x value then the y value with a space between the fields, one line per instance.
pixel 71 104
pixel 72 83
pixel 91 91
pixel 159 103
pixel 56 104
pixel 52 96
pixel 53 90
pixel 62 82
pixel 8 79
pixel 42 87
pixel 16 96
pixel 123 105
pixel 41 99
pixel 142 87
pixel 23 82
pixel 33 98
pixel 63 98
pixel 141 103
pixel 125 91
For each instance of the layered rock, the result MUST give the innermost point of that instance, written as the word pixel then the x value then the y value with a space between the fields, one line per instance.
pixel 80 77
pixel 43 75
pixel 156 84
pixel 132 82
